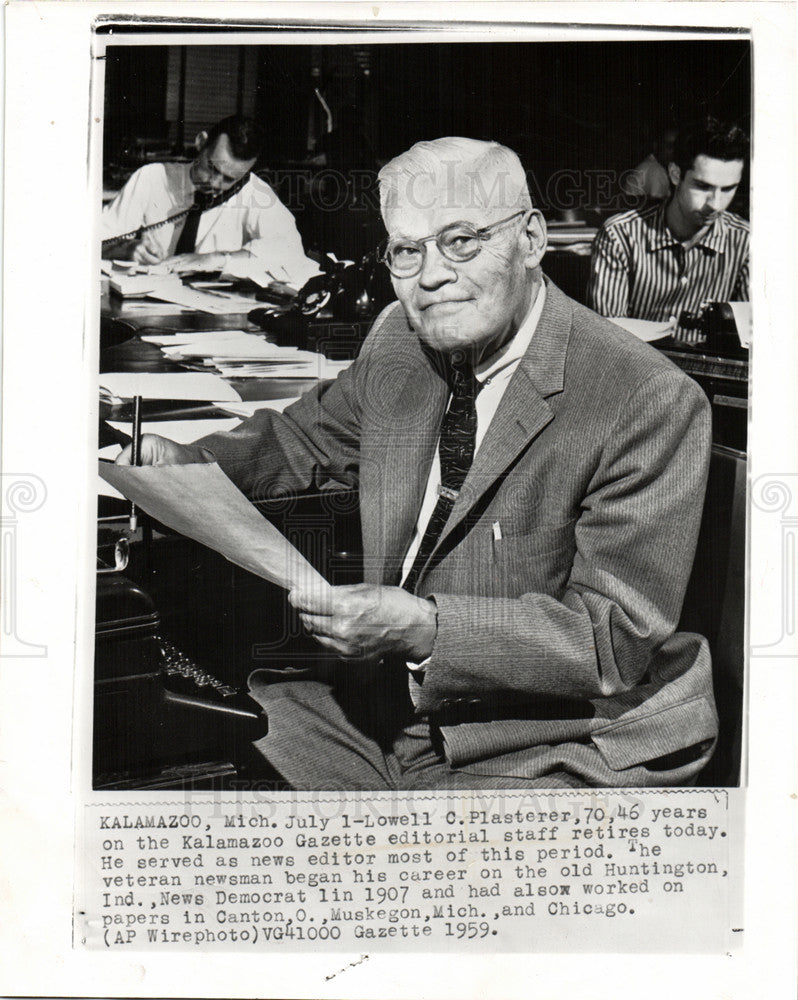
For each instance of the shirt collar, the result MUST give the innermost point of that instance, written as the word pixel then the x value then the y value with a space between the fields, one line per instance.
pixel 512 352
pixel 659 237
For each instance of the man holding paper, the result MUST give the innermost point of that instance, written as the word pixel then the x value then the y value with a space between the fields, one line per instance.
pixel 531 482
pixel 217 214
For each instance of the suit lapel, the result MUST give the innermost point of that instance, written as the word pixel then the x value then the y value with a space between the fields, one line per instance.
pixel 406 456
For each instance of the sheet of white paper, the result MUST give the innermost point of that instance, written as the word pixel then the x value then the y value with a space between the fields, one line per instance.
pixel 245 347
pixel 140 284
pixel 742 319
pixel 258 369
pixel 190 337
pixel 319 368
pixel 168 385
pixel 643 329
pixel 199 501
pixel 209 302
pixel 151 307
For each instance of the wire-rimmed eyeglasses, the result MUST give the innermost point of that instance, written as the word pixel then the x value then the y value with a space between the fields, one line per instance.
pixel 458 242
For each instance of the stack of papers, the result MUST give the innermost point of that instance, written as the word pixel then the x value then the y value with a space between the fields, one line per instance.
pixel 317 368
pixel 243 347
pixel 236 354
pixel 132 285
pixel 191 337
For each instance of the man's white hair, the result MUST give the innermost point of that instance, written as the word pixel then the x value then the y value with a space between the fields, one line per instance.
pixel 469 171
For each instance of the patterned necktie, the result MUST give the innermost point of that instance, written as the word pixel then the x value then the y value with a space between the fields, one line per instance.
pixel 187 243
pixel 456 450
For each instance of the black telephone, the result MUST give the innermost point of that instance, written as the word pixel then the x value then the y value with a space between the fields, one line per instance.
pixel 160 719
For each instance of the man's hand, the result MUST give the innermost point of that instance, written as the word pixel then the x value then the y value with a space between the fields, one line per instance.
pixel 147 251
pixel 185 263
pixel 157 450
pixel 365 622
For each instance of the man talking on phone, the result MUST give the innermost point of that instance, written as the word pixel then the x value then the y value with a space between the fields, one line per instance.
pixel 212 214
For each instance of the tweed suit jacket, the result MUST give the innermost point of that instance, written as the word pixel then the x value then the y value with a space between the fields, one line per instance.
pixel 555 646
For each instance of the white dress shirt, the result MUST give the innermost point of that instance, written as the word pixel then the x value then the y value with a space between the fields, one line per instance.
pixel 253 219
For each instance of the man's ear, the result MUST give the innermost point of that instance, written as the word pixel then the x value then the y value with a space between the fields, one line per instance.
pixel 199 141
pixel 536 234
pixel 674 174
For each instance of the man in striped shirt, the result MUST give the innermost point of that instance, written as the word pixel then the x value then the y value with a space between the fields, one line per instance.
pixel 663 261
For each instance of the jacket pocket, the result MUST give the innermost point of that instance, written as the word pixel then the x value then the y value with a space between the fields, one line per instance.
pixel 538 560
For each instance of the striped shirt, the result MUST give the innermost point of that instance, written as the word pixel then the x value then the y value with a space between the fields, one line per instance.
pixel 639 268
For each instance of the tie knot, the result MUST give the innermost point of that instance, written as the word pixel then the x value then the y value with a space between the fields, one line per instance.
pixel 461 377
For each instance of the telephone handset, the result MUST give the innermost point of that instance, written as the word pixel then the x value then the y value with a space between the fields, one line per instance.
pixel 137 234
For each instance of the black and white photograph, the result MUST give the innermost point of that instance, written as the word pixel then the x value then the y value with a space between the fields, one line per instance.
pixel 469 324
pixel 398 516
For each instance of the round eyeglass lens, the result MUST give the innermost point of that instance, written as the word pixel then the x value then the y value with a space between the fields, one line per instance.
pixel 459 243
pixel 404 258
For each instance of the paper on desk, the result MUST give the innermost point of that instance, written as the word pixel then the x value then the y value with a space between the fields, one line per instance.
pixel 246 347
pixel 644 329
pixel 319 368
pixel 168 385
pixel 190 337
pixel 742 320
pixel 199 501
pixel 152 307
pixel 211 302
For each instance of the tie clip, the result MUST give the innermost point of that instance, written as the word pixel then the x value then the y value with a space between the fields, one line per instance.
pixel 444 491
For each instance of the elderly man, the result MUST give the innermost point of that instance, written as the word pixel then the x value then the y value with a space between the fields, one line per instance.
pixel 660 262
pixel 212 214
pixel 531 481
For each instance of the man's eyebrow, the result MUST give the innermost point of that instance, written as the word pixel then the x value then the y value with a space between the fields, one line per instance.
pixel 706 184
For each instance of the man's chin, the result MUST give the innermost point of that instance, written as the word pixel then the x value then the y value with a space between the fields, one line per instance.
pixel 446 339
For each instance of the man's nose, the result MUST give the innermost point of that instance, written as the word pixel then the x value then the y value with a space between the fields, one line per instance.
pixel 435 268
pixel 715 200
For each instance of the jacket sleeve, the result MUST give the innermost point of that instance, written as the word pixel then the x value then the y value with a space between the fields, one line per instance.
pixel 608 286
pixel 634 546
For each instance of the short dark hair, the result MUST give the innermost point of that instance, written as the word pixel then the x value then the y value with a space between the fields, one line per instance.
pixel 244 134
pixel 709 137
